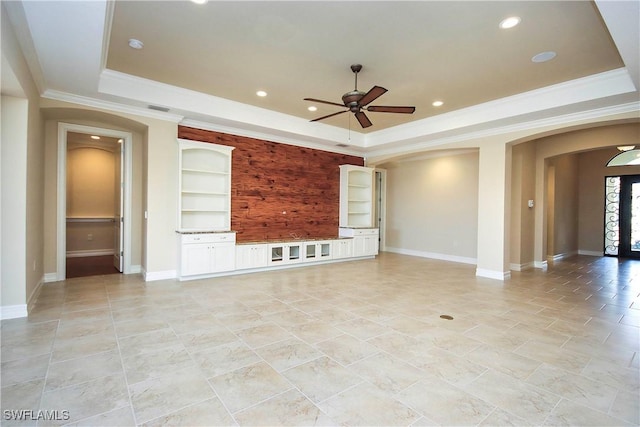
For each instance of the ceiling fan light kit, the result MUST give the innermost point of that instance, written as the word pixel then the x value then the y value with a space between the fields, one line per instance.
pixel 356 101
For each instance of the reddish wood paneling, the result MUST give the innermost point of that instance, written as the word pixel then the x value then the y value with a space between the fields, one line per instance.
pixel 269 179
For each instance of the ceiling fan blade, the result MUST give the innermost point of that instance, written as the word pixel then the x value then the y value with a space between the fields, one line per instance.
pixel 386 109
pixel 370 96
pixel 363 119
pixel 323 102
pixel 329 115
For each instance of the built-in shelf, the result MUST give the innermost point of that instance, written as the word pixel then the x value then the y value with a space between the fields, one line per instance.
pixel 204 186
pixel 356 196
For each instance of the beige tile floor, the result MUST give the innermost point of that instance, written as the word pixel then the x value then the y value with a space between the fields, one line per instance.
pixel 353 343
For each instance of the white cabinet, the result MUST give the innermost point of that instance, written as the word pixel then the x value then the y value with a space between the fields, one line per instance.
pixel 252 256
pixel 342 248
pixel 356 196
pixel 365 240
pixel 204 201
pixel 206 253
pixel 317 251
pixel 284 253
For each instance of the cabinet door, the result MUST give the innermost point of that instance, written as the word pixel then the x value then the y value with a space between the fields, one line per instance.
pixel 365 246
pixel 294 253
pixel 359 246
pixel 251 256
pixel 276 254
pixel 259 255
pixel 196 259
pixel 342 248
pixel 317 251
pixel 224 257
pixel 311 252
pixel 243 257
pixel 371 245
pixel 324 250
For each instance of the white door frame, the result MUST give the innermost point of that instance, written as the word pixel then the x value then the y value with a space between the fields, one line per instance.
pixel 61 211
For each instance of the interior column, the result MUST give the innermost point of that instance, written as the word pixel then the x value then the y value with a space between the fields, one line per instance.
pixel 494 192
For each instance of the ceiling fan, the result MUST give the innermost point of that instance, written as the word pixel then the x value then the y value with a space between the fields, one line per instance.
pixel 356 101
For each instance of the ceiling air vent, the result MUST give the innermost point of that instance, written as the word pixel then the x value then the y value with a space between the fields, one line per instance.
pixel 341 145
pixel 158 108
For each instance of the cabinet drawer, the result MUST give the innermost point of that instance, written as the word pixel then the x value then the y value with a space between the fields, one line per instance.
pixel 354 232
pixel 208 238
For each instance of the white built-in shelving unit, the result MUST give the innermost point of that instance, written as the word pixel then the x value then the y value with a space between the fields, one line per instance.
pixel 356 196
pixel 205 187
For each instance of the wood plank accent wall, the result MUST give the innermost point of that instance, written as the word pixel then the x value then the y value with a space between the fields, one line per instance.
pixel 268 179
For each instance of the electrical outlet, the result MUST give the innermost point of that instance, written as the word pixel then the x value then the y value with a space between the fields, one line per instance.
pixel 89 236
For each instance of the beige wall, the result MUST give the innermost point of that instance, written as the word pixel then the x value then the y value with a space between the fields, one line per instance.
pixel 563 203
pixel 14 157
pixel 162 199
pixel 432 206
pixel 90 195
pixel 85 239
pixel 522 216
pixel 90 182
pixel 21 269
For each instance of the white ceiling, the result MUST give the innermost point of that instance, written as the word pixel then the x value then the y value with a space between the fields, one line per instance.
pixel 205 62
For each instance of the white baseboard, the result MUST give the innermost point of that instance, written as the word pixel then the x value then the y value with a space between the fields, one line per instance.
pixel 97 252
pixel 541 264
pixel 590 253
pixel 13 311
pixel 492 274
pixel 558 257
pixel 50 277
pixel 135 269
pixel 432 255
pixel 522 267
pixel 158 275
pixel 34 295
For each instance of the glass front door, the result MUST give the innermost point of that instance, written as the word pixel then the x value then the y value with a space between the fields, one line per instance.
pixel 622 216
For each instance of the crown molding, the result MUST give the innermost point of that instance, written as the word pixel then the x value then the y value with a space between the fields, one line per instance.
pixel 108 23
pixel 218 109
pixel 272 137
pixel 110 106
pixel 597 86
pixel 589 116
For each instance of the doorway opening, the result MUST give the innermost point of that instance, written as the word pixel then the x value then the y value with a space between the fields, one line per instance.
pixel 622 216
pixel 380 215
pixel 93 201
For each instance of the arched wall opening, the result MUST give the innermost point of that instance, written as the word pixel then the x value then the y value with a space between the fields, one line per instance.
pixel 563 175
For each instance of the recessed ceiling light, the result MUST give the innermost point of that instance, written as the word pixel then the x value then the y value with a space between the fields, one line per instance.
pixel 95 137
pixel 509 22
pixel 437 103
pixel 543 56
pixel 261 93
pixel 312 108
pixel 199 1
pixel 136 44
